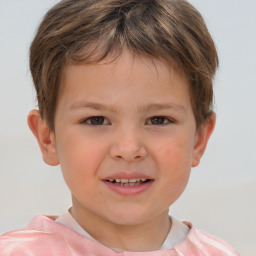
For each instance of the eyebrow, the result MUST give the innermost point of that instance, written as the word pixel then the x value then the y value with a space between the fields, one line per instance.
pixel 157 106
pixel 92 105
pixel 142 108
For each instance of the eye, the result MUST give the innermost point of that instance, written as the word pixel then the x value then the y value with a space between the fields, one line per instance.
pixel 96 120
pixel 159 120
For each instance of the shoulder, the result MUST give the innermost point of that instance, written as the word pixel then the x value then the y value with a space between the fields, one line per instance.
pixel 199 242
pixel 37 238
pixel 43 236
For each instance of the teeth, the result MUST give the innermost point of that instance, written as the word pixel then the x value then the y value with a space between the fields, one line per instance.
pixel 126 181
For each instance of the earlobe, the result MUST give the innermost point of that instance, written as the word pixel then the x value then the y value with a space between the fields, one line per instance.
pixel 45 137
pixel 202 138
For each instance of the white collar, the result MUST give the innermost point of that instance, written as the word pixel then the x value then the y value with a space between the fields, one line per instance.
pixel 176 235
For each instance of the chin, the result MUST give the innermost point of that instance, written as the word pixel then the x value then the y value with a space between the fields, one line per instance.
pixel 129 217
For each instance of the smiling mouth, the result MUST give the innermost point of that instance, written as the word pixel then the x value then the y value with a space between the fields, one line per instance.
pixel 129 182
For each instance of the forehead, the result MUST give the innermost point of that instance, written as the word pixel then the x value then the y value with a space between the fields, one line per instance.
pixel 124 65
pixel 129 74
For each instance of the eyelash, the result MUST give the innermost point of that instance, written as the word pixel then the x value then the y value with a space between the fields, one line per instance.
pixel 102 118
pixel 165 120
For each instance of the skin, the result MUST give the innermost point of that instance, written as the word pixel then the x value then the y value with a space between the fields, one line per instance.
pixel 147 127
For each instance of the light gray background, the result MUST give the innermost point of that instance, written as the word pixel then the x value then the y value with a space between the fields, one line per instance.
pixel 221 195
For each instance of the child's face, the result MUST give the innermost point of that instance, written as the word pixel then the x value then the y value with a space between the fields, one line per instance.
pixel 130 119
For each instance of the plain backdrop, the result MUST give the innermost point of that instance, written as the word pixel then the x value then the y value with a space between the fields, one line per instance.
pixel 221 195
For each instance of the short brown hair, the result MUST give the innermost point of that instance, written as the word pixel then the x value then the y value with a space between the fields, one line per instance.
pixel 87 31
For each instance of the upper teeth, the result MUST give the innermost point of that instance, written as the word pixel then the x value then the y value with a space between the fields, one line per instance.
pixel 128 180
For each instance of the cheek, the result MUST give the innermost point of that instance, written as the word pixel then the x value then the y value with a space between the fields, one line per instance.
pixel 80 157
pixel 175 165
pixel 174 158
pixel 177 152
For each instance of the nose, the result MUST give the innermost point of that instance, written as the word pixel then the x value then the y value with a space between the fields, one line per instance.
pixel 129 147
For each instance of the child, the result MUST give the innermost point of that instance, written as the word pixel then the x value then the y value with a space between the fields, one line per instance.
pixel 124 91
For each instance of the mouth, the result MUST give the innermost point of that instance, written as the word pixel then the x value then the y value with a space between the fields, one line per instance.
pixel 129 182
pixel 128 186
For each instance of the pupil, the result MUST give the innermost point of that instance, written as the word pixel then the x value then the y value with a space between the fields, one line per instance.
pixel 97 120
pixel 158 120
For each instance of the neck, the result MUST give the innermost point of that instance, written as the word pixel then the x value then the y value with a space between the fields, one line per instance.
pixel 147 236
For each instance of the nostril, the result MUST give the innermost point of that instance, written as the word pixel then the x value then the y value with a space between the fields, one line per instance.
pixel 128 152
pixel 129 157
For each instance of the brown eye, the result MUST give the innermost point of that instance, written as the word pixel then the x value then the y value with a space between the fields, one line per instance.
pixel 159 120
pixel 96 120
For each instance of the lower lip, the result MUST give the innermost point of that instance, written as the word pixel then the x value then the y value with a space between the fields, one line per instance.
pixel 129 190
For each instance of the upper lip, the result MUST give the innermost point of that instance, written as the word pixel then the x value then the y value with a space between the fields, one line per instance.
pixel 127 175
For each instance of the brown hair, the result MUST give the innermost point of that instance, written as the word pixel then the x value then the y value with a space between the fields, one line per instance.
pixel 86 31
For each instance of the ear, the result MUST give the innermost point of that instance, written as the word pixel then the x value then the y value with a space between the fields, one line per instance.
pixel 45 137
pixel 201 140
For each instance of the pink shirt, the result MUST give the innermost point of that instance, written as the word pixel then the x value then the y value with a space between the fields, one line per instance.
pixel 43 237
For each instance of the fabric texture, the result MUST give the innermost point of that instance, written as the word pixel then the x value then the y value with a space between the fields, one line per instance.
pixel 43 236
